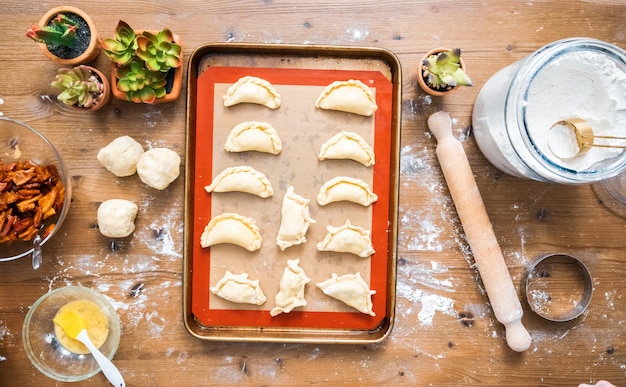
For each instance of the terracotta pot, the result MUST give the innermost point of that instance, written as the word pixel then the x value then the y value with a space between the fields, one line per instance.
pixel 176 85
pixel 422 82
pixel 93 50
pixel 107 90
pixel 106 94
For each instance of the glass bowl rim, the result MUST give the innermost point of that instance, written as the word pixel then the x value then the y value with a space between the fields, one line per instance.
pixel 114 321
pixel 64 173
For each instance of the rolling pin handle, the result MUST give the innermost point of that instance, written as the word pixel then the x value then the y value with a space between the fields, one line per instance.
pixel 517 337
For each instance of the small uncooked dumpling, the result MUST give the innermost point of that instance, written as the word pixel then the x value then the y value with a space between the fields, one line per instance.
pixel 347 145
pixel 238 288
pixel 295 220
pixel 116 218
pixel 253 136
pixel 351 96
pixel 232 228
pixel 252 90
pixel 347 239
pixel 291 293
pixel 158 167
pixel 346 188
pixel 121 155
pixel 351 290
pixel 242 179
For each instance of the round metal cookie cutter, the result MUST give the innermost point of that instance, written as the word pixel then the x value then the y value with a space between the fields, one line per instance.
pixel 558 287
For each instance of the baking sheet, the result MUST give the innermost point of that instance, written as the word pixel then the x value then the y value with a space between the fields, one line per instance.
pixel 299 74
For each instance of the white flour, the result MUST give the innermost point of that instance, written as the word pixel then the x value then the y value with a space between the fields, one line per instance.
pixel 573 78
pixel 4 332
pixel 580 84
pixel 420 230
pixel 140 300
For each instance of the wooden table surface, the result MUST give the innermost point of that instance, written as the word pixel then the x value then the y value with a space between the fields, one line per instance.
pixel 445 332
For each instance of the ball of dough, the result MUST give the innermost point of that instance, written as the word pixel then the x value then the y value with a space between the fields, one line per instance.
pixel 158 167
pixel 121 155
pixel 116 218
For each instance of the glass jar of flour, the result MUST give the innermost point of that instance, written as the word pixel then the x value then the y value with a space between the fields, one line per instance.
pixel 575 79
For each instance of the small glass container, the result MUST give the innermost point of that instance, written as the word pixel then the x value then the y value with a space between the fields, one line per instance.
pixel 43 348
pixel 567 79
pixel 20 142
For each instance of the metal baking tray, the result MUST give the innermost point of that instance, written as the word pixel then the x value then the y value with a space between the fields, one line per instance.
pixel 299 73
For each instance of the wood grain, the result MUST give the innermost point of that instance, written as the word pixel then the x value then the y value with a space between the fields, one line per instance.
pixel 459 343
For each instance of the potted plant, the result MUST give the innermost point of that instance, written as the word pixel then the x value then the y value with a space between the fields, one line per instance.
pixel 67 36
pixel 82 86
pixel 442 71
pixel 147 65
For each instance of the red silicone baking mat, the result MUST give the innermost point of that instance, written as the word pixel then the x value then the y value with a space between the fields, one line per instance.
pixel 302 128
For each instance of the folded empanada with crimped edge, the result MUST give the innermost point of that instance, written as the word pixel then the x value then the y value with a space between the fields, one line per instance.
pixel 254 90
pixel 232 228
pixel 350 289
pixel 351 96
pixel 347 239
pixel 291 293
pixel 343 188
pixel 295 220
pixel 347 145
pixel 241 178
pixel 254 136
pixel 240 289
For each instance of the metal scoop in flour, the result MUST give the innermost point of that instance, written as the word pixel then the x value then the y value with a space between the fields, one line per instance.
pixel 573 137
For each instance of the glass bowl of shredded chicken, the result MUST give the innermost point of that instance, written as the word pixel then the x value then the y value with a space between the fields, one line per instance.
pixel 35 191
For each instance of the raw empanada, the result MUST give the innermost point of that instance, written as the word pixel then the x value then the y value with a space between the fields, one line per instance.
pixel 253 136
pixel 351 96
pixel 346 188
pixel 232 228
pixel 347 239
pixel 291 293
pixel 295 220
pixel 238 288
pixel 242 179
pixel 252 90
pixel 351 290
pixel 347 145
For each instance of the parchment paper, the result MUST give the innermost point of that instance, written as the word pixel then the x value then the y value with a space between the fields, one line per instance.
pixel 303 128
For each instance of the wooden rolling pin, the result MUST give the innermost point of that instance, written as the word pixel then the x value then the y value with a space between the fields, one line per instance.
pixel 479 232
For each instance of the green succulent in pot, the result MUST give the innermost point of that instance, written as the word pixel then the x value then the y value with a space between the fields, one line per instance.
pixel 61 31
pixel 121 48
pixel 67 36
pixel 442 70
pixel 140 84
pixel 82 86
pixel 159 52
pixel 148 65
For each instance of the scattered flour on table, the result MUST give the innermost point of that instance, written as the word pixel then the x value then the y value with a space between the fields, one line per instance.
pixel 4 332
pixel 164 243
pixel 272 37
pixel 421 230
pixel 408 288
pixel 432 227
pixel 154 117
pixel 143 293
pixel 357 32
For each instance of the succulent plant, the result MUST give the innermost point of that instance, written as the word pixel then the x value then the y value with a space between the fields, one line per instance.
pixel 79 86
pixel 140 84
pixel 443 70
pixel 121 48
pixel 159 52
pixel 60 31
pixel 143 61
